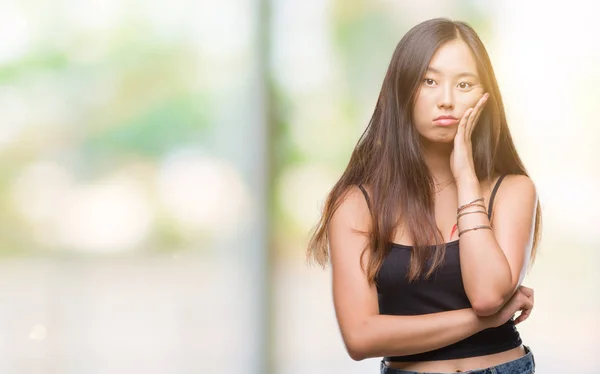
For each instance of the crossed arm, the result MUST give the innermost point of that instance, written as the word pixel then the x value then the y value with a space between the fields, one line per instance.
pixel 493 265
pixel 494 262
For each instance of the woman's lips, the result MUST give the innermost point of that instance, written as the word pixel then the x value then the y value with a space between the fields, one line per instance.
pixel 445 121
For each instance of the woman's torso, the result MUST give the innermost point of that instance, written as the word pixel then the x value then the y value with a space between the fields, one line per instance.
pixel 449 276
pixel 443 293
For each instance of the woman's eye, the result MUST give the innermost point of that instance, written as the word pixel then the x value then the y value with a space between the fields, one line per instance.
pixel 465 85
pixel 429 82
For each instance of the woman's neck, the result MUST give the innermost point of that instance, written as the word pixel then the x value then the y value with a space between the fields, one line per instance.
pixel 437 159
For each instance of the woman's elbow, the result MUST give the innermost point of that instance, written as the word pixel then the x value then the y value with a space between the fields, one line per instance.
pixel 487 307
pixel 356 349
pixel 356 354
pixel 356 345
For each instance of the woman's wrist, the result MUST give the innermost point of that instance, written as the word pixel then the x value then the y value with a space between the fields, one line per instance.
pixel 486 322
pixel 468 189
pixel 466 180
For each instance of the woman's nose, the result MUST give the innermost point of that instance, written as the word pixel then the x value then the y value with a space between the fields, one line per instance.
pixel 446 99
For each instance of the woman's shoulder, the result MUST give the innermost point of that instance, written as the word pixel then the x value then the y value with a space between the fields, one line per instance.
pixel 356 199
pixel 519 181
pixel 353 208
pixel 518 184
pixel 512 191
pixel 513 181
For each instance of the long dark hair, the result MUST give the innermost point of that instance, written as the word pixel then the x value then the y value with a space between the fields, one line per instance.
pixel 388 156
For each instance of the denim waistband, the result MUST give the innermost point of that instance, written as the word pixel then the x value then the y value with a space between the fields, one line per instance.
pixel 521 365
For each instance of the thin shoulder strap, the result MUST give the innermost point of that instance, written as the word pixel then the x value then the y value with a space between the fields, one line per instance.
pixel 493 195
pixel 366 195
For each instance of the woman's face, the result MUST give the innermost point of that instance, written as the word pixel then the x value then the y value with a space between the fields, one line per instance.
pixel 450 86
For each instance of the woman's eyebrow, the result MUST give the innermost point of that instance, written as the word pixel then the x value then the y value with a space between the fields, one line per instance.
pixel 463 74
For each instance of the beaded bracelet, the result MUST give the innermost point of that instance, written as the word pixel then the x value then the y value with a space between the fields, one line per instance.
pixel 474 228
pixel 468 204
pixel 475 211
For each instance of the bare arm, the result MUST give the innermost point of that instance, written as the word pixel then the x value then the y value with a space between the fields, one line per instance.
pixel 365 332
pixel 493 263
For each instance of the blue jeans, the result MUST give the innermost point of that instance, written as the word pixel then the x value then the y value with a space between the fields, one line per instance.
pixel 522 365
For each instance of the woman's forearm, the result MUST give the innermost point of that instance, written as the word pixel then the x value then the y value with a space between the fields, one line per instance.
pixel 485 270
pixel 385 335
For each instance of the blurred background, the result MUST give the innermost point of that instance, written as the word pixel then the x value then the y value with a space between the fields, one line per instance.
pixel 163 162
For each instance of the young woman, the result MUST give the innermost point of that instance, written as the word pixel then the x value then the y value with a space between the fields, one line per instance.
pixel 433 224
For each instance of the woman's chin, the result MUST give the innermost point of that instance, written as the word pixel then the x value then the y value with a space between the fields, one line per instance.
pixel 446 139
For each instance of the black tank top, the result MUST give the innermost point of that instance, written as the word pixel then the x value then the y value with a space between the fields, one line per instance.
pixel 443 291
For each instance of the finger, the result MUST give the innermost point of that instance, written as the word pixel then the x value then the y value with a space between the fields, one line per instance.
pixel 519 319
pixel 525 313
pixel 480 104
pixel 474 118
pixel 464 120
pixel 522 317
pixel 525 310
pixel 528 304
pixel 526 291
pixel 465 126
pixel 460 131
